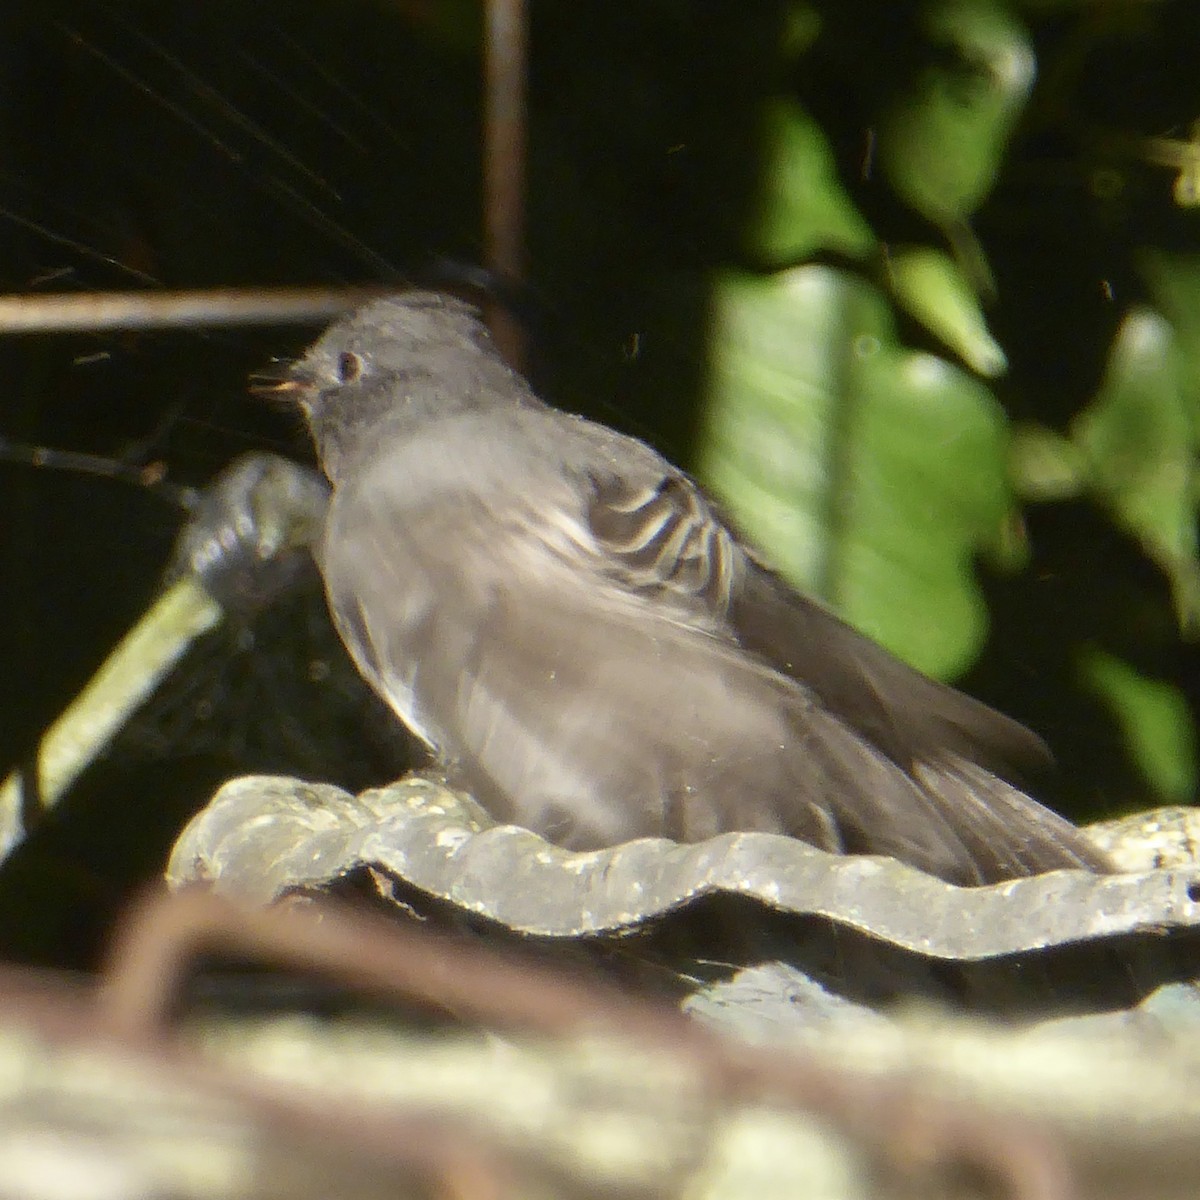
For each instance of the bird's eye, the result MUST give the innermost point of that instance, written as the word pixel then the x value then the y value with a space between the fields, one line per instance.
pixel 349 366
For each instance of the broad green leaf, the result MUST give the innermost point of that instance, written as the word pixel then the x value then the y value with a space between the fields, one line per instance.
pixel 1175 283
pixel 930 286
pixel 869 474
pixel 1139 439
pixel 942 142
pixel 1157 723
pixel 804 207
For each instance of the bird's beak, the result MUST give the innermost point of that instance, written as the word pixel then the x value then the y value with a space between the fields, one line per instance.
pixel 289 382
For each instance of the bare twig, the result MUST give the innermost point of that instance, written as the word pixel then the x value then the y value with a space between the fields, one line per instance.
pixel 505 68
pixel 128 676
pixel 95 311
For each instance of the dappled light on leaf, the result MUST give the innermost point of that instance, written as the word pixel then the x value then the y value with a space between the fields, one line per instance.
pixel 942 142
pixel 805 209
pixel 868 473
pixel 930 286
pixel 1140 440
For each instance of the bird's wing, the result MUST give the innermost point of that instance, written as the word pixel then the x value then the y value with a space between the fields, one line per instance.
pixel 911 717
pixel 661 536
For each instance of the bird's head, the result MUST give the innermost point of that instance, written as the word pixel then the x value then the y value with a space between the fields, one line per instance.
pixel 394 364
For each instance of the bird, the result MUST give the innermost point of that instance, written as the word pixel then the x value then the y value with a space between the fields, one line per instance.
pixel 588 646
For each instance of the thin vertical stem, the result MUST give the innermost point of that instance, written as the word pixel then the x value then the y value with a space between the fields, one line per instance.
pixel 506 48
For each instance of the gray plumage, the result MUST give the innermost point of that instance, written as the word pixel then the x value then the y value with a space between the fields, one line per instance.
pixel 594 654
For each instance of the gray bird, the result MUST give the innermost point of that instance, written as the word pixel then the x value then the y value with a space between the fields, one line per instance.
pixel 593 653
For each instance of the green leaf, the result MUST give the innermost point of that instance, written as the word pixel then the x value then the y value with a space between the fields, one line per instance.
pixel 1157 723
pixel 929 285
pixel 942 142
pixel 1175 283
pixel 869 474
pixel 1139 438
pixel 804 207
